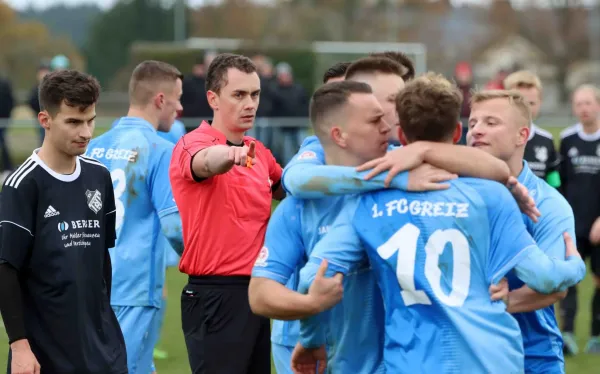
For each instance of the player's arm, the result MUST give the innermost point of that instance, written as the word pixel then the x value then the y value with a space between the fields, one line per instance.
pixel 18 204
pixel 511 246
pixel 219 159
pixel 548 235
pixel 159 189
pixel 457 159
pixel 110 233
pixel 563 166
pixel 275 172
pixel 306 176
pixel 342 249
pixel 280 257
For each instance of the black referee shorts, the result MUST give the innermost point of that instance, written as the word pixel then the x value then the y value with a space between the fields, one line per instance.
pixel 591 251
pixel 222 334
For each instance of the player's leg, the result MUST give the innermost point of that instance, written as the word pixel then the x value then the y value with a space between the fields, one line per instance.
pixel 282 358
pixel 217 325
pixel 593 345
pixel 261 352
pixel 158 353
pixel 137 327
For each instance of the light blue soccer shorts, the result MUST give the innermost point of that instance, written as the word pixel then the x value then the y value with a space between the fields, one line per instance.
pixel 282 358
pixel 140 330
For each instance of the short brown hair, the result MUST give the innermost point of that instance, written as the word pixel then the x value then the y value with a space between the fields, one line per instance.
pixel 429 108
pixel 216 77
pixel 74 88
pixel 372 65
pixel 408 68
pixel 330 99
pixel 523 79
pixel 514 97
pixel 146 80
pixel 337 70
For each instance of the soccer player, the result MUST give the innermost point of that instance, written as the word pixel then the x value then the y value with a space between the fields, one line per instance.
pixel 579 173
pixel 57 222
pixel 224 183
pixel 138 160
pixel 336 72
pixel 540 152
pixel 437 299
pixel 295 228
pixel 408 68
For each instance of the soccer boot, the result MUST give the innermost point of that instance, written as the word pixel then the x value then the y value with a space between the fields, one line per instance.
pixel 570 347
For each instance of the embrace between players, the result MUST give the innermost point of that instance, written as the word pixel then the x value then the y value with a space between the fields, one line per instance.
pixel 421 272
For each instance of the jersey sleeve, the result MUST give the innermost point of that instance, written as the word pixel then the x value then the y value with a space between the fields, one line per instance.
pixel 184 152
pixel 311 153
pixel 509 240
pixel 110 231
pixel 275 170
pixel 284 250
pixel 563 165
pixel 552 167
pixel 557 218
pixel 158 182
pixel 18 206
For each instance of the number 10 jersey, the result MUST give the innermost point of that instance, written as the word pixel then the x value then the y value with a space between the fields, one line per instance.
pixel 138 160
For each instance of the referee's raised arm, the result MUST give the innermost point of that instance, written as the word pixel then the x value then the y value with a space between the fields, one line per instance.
pixel 223 183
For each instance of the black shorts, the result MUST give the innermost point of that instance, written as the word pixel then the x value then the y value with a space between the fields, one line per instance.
pixel 222 334
pixel 588 250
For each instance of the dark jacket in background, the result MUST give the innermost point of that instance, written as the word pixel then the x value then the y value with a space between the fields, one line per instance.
pixel 7 101
pixel 290 101
pixel 193 98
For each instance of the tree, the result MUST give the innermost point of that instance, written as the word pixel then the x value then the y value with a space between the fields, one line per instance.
pixel 25 44
pixel 112 34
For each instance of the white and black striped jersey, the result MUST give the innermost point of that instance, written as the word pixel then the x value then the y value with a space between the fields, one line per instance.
pixel 540 152
pixel 580 175
pixel 55 230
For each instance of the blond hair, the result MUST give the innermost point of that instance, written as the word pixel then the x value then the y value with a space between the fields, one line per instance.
pixel 590 87
pixel 514 97
pixel 429 108
pixel 523 79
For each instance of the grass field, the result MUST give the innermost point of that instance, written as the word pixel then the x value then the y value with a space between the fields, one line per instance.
pixel 172 337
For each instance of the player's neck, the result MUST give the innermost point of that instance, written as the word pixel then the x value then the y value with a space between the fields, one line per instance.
pixel 140 113
pixel 234 137
pixel 591 127
pixel 515 164
pixel 57 161
pixel 340 158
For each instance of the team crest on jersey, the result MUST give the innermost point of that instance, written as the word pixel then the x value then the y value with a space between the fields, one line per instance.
pixel 573 152
pixel 541 153
pixel 307 155
pixel 94 200
pixel 263 255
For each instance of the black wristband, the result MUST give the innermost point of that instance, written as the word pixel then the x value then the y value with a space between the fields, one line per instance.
pixel 11 304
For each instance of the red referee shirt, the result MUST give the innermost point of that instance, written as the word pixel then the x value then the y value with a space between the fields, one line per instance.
pixel 224 217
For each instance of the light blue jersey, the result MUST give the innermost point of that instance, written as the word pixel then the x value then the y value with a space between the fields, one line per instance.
pixel 294 229
pixel 138 160
pixel 435 254
pixel 542 338
pixel 177 131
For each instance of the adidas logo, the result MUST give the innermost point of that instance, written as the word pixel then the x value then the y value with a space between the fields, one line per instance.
pixel 51 212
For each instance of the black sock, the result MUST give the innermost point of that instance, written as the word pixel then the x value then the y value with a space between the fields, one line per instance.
pixel 596 313
pixel 568 310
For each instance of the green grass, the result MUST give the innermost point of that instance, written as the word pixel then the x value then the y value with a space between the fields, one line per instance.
pixel 172 337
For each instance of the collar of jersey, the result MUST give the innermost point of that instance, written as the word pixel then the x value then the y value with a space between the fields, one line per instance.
pixel 60 177
pixel 525 175
pixel 206 128
pixel 135 121
pixel 531 131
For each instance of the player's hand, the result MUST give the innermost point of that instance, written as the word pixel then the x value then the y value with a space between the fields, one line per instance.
pixel 325 292
pixel 306 360
pixel 571 248
pixel 595 232
pixel 395 162
pixel 521 195
pixel 243 156
pixel 427 178
pixel 500 291
pixel 23 360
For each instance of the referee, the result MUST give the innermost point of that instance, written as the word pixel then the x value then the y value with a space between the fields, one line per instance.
pixel 57 222
pixel 224 208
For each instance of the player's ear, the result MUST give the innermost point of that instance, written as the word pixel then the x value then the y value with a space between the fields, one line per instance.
pixel 213 99
pixel 401 136
pixel 457 133
pixel 44 119
pixel 523 135
pixel 159 100
pixel 338 136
